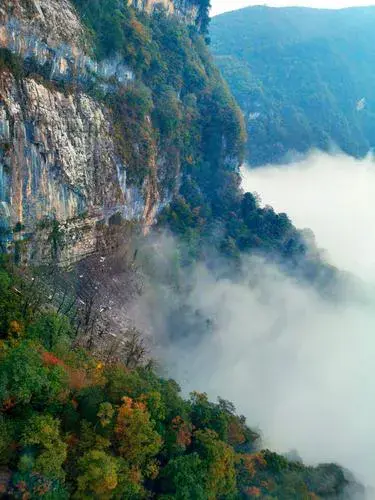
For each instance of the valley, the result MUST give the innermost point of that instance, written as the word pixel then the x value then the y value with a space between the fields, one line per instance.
pixel 170 325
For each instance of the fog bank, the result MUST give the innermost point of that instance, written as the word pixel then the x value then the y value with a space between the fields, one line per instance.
pixel 299 367
pixel 332 195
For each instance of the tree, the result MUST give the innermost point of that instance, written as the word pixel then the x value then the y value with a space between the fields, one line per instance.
pixel 7 438
pixel 10 303
pixel 89 401
pixel 98 476
pixel 138 442
pixel 44 447
pixel 219 463
pixel 205 414
pixel 24 379
pixel 52 330
pixel 154 404
pixel 184 478
pixel 134 349
pixel 105 414
pixel 133 383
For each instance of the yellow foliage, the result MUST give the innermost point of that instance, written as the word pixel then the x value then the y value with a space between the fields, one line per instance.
pixel 252 463
pixel 140 30
pixel 138 442
pixel 15 328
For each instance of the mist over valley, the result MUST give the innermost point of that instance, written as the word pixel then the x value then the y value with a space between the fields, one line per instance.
pixel 187 280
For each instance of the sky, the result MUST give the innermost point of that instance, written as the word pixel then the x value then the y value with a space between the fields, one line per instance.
pixel 220 6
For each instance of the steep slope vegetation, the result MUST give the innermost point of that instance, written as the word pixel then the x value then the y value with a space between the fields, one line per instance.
pixel 75 425
pixel 303 77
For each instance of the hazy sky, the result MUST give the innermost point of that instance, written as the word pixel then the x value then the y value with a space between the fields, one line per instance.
pixel 219 6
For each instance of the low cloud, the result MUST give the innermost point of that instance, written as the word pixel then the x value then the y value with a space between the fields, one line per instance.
pixel 334 195
pixel 299 367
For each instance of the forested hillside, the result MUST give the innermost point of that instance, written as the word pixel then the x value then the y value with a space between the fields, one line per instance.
pixel 303 77
pixel 74 424
pixel 196 125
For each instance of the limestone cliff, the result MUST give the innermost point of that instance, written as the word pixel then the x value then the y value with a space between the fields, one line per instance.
pixel 50 34
pixel 108 112
pixel 181 8
pixel 57 153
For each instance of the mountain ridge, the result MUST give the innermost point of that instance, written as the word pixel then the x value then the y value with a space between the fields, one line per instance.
pixel 301 76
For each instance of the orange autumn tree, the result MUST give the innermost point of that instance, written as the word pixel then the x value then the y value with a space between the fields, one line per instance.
pixel 219 460
pixel 183 432
pixel 137 440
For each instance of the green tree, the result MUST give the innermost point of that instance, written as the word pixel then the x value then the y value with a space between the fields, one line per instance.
pixel 24 379
pixel 219 463
pixel 184 478
pixel 105 414
pixel 52 330
pixel 10 303
pixel 44 446
pixel 98 476
pixel 7 439
pixel 207 415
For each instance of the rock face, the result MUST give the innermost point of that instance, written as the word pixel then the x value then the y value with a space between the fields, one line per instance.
pixel 58 159
pixel 54 21
pixel 57 153
pixel 180 8
pixel 50 35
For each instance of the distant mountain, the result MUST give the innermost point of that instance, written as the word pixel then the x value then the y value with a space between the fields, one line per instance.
pixel 303 77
